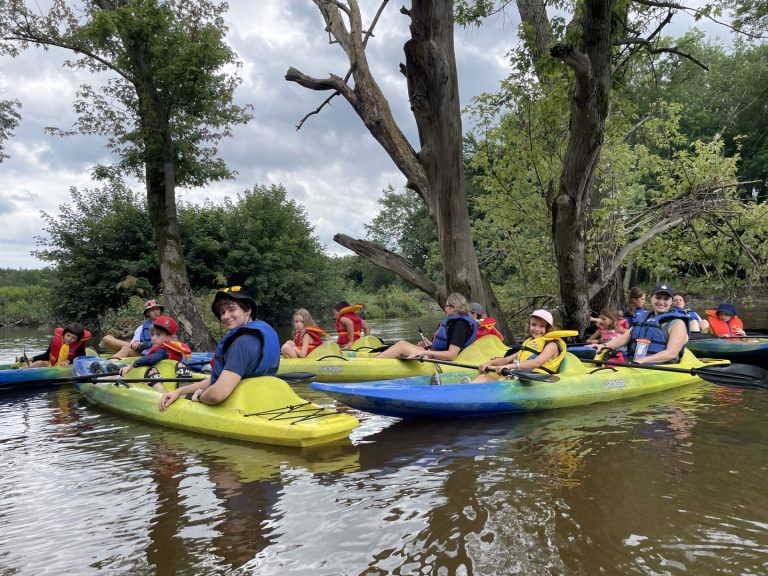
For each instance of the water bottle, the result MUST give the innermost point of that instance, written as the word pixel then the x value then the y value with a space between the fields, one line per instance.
pixel 641 348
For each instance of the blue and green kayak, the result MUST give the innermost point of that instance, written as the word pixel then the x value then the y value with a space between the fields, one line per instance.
pixel 578 384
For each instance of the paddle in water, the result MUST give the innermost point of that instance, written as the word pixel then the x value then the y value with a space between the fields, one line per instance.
pixel 733 375
pixel 519 374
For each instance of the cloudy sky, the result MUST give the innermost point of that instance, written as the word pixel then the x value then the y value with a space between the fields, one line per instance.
pixel 332 166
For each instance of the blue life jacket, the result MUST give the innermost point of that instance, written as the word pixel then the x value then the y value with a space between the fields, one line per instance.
pixel 270 349
pixel 651 328
pixel 636 317
pixel 146 335
pixel 440 340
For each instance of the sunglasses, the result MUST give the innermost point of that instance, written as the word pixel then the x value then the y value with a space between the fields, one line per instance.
pixel 231 289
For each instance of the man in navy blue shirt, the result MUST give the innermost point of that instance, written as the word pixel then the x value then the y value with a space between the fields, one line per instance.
pixel 250 348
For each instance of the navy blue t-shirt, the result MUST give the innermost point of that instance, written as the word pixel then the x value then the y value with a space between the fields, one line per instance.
pixel 243 355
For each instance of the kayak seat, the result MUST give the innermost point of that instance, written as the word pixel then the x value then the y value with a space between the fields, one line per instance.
pixel 325 349
pixel 571 366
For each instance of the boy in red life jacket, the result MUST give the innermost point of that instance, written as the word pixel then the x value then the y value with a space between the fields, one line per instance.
pixel 67 343
pixel 723 321
pixel 349 325
pixel 486 326
pixel 164 345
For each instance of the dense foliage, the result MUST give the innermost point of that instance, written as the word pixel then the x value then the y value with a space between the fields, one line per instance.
pixel 24 295
pixel 103 252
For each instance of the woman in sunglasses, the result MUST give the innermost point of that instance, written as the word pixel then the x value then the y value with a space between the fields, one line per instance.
pixel 250 348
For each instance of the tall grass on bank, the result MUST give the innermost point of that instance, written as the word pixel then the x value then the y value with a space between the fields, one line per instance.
pixel 24 305
pixel 392 302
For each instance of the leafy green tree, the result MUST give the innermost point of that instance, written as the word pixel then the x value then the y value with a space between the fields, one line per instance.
pixel 403 225
pixel 102 250
pixel 166 102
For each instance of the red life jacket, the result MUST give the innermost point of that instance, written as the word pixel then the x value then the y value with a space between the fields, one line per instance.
pixel 176 350
pixel 721 328
pixel 487 326
pixel 315 332
pixel 357 322
pixel 58 342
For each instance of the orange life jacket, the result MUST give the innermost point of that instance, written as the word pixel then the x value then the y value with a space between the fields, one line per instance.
pixel 721 328
pixel 357 322
pixel 176 350
pixel 487 326
pixel 315 333
pixel 61 351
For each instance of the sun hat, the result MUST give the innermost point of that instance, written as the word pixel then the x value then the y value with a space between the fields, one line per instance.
pixel 663 288
pixel 149 304
pixel 544 315
pixel 232 293
pixel 726 308
pixel 477 308
pixel 166 323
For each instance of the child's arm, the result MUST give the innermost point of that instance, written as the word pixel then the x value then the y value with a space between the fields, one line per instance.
pixel 306 340
pixel 595 336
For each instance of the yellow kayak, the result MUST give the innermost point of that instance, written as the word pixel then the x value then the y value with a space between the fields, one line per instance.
pixel 263 409
pixel 330 364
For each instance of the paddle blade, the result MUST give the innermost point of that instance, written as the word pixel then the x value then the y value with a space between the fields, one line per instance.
pixel 527 375
pixel 735 375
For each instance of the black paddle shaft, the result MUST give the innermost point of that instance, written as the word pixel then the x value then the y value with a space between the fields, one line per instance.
pixel 733 375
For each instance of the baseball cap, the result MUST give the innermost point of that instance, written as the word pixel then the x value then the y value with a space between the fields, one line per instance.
pixel 726 308
pixel 166 323
pixel 477 308
pixel 544 315
pixel 663 289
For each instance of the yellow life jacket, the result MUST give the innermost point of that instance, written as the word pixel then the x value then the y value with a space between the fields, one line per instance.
pixel 532 347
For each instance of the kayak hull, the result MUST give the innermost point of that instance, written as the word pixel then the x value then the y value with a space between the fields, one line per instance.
pixel 579 385
pixel 737 351
pixel 330 364
pixel 15 378
pixel 263 409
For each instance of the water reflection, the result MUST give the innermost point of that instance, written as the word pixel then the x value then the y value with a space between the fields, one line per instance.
pixel 670 483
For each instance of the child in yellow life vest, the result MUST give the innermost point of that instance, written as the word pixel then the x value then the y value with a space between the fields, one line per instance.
pixel 538 353
pixel 67 343
pixel 349 325
pixel 306 336
pixel 164 345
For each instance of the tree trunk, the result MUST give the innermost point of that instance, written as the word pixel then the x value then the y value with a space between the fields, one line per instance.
pixel 591 66
pixel 436 171
pixel 161 205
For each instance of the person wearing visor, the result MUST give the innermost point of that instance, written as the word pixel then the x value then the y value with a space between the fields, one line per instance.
pixel 142 336
pixel 658 336
pixel 250 348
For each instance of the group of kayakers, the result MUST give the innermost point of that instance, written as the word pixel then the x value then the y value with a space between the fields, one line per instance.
pixel 251 347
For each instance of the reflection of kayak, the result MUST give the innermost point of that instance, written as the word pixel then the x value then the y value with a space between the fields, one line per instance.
pixel 257 463
pixel 330 364
pixel 746 351
pixel 578 385
pixel 263 409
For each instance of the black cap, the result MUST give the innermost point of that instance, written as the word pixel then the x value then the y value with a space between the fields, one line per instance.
pixel 238 293
pixel 663 288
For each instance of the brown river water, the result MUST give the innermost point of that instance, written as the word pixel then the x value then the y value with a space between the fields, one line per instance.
pixel 671 483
